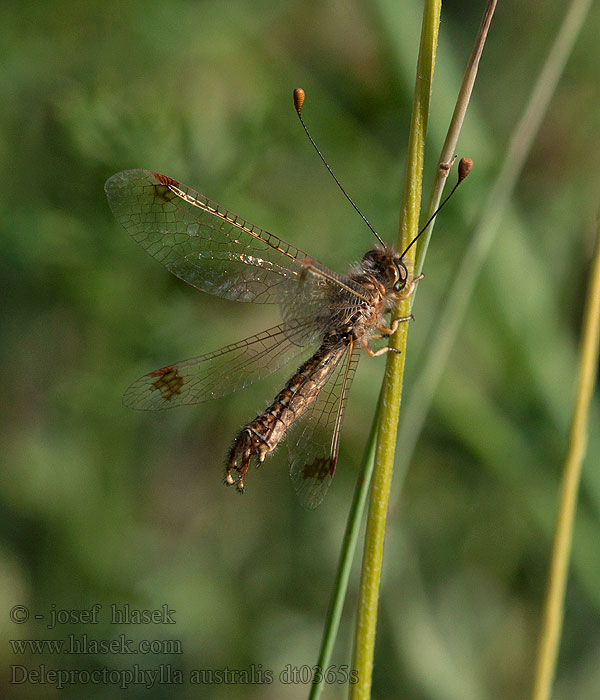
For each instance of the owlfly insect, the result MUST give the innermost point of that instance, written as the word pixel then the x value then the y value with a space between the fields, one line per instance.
pixel 326 317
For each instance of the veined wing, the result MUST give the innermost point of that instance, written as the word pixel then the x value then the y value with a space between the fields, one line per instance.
pixel 329 298
pixel 314 441
pixel 223 371
pixel 201 242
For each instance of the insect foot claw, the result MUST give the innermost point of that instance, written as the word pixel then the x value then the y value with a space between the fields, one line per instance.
pixel 241 451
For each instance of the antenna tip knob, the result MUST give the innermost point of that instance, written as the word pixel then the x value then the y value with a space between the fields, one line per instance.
pixel 464 168
pixel 299 96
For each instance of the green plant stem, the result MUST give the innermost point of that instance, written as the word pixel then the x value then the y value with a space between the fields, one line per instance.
pixel 345 564
pixel 563 536
pixel 458 296
pixel 454 129
pixel 364 643
pixel 360 495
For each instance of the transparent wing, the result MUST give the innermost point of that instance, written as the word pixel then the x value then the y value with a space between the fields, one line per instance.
pixel 201 242
pixel 329 298
pixel 314 441
pixel 222 372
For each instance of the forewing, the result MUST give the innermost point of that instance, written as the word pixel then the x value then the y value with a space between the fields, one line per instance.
pixel 201 242
pixel 329 298
pixel 313 442
pixel 222 372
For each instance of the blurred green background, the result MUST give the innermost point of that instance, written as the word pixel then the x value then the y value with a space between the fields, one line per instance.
pixel 105 505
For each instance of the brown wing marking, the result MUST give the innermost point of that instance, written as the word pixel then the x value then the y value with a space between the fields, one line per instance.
pixel 219 373
pixel 314 441
pixel 168 381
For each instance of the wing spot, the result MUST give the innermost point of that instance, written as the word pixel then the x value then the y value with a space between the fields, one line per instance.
pixel 169 382
pixel 163 194
pixel 165 179
pixel 318 469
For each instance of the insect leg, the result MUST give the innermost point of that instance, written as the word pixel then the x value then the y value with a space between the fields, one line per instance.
pixel 373 353
pixel 242 450
pixel 394 327
pixel 411 288
pixel 246 445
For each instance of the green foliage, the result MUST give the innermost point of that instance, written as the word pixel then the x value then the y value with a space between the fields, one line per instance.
pixel 105 505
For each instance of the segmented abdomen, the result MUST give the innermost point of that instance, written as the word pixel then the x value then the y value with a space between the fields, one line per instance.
pixel 266 431
pixel 297 395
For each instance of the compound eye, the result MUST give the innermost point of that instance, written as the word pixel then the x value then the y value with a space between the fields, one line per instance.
pixel 401 275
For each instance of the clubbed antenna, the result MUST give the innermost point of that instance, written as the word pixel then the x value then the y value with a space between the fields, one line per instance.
pixel 299 96
pixel 464 168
